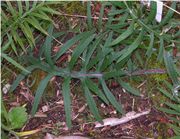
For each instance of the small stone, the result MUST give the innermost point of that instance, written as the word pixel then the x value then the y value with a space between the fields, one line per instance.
pixel 45 108
pixel 6 88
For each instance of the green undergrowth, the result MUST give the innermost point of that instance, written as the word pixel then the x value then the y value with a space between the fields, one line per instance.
pixel 105 50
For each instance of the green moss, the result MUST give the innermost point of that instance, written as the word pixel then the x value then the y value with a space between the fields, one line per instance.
pixel 154 64
pixel 75 7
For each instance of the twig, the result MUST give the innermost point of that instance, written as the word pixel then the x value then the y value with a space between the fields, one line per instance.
pixel 82 16
pixel 116 121
pixel 149 71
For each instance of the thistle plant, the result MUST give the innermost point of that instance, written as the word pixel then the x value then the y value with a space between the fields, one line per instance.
pixel 105 53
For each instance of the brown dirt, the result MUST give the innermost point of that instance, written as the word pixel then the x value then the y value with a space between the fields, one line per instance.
pixel 148 126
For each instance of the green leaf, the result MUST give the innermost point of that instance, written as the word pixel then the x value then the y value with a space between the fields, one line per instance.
pixel 35 23
pixel 89 17
pixel 153 10
pixel 111 98
pixel 169 111
pixel 91 103
pixel 93 48
pixel 27 5
pixel 94 88
pixel 48 46
pixel 101 16
pixel 49 10
pixel 17 117
pixel 160 55
pixel 20 7
pixel 13 62
pixel 170 67
pixel 11 9
pixel 39 92
pixel 79 49
pixel 133 46
pixel 41 15
pixel 169 15
pixel 67 100
pixel 127 87
pixel 124 35
pixel 69 44
pixel 28 33
pixel 150 47
pixel 176 107
pixel 7 44
pixel 166 94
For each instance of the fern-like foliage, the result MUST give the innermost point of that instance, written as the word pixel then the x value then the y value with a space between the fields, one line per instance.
pixel 102 53
pixel 20 21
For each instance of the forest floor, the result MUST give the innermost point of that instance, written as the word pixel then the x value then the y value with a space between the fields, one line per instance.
pixel 50 117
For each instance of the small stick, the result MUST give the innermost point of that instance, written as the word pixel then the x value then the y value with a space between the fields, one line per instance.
pixel 116 121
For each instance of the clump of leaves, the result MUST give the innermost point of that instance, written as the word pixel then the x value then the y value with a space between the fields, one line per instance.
pixel 172 107
pixel 20 21
pixel 103 53
pixel 14 119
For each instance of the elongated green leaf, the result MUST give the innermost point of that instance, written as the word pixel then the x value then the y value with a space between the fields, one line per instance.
pixel 34 4
pixel 111 98
pixel 169 15
pixel 48 46
pixel 170 96
pixel 176 107
pixel 13 62
pixel 27 5
pixel 127 87
pixel 93 48
pixel 79 49
pixel 21 76
pixel 89 19
pixel 11 9
pixel 169 111
pixel 14 47
pixel 101 16
pixel 30 33
pixel 170 67
pixel 116 12
pixel 20 7
pixel 91 103
pixel 27 34
pixel 69 44
pixel 132 47
pixel 160 55
pixel 3 16
pixel 67 100
pixel 93 87
pixel 105 50
pixel 6 46
pixel 139 58
pixel 124 35
pixel 49 10
pixel 153 10
pixel 41 15
pixel 35 23
pixel 150 47
pixel 39 92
